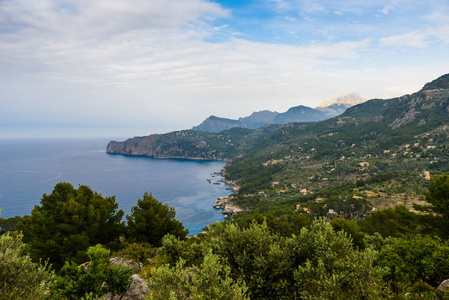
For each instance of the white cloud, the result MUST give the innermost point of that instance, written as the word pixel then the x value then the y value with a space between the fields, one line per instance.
pixel 387 9
pixel 146 64
pixel 413 39
pixel 281 5
pixel 310 6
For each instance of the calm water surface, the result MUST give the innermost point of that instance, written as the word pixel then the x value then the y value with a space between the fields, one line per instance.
pixel 30 168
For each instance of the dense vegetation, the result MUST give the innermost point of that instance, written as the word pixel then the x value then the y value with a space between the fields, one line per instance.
pixel 355 207
pixel 276 252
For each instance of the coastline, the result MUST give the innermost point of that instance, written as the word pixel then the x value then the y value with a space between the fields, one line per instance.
pixel 226 203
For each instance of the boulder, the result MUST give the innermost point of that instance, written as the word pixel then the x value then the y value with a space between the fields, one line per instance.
pixel 126 263
pixel 137 291
pixel 443 287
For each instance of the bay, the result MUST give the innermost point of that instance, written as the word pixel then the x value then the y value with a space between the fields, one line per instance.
pixel 30 168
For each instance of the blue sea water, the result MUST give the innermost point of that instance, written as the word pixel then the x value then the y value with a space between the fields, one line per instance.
pixel 30 168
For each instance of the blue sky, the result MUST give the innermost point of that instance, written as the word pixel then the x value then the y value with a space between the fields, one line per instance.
pixel 120 68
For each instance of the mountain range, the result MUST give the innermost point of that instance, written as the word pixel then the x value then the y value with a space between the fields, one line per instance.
pixel 327 109
pixel 382 152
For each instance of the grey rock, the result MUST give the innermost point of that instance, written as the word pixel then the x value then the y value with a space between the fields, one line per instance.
pixel 126 263
pixel 137 291
pixel 444 286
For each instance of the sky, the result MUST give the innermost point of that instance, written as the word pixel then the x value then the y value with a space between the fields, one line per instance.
pixel 124 68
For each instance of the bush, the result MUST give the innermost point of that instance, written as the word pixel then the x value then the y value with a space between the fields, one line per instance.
pixel 20 278
pixel 94 280
pixel 421 258
pixel 210 280
pixel 140 252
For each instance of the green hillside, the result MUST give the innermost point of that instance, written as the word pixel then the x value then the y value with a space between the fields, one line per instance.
pixel 405 138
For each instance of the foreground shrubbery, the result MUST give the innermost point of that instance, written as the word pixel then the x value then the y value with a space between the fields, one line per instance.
pixel 277 253
pixel 318 263
pixel 92 280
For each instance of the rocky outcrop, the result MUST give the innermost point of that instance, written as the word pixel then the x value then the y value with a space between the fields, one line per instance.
pixel 137 291
pixel 406 118
pixel 126 263
pixel 227 205
pixel 189 145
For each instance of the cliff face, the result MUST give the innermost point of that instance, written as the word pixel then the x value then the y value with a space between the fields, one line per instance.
pixel 186 144
pixel 151 146
pixel 136 146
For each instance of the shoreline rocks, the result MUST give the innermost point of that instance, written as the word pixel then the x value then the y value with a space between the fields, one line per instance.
pixel 226 204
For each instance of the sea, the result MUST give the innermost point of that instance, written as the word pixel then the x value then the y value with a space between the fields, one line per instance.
pixel 32 167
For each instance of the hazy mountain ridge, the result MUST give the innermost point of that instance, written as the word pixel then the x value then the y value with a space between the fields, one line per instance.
pixel 327 109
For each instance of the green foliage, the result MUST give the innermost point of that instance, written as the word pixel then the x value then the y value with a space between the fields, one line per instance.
pixel 92 280
pixel 438 212
pixel 394 222
pixel 330 267
pixel 140 252
pixel 256 256
pixel 421 258
pixel 352 229
pixel 210 280
pixel 20 278
pixel 150 220
pixel 318 263
pixel 173 249
pixel 10 223
pixel 421 290
pixel 70 220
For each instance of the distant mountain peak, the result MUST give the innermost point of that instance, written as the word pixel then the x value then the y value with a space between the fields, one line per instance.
pixel 347 100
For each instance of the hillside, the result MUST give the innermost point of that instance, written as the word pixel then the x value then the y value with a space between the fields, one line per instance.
pixel 377 153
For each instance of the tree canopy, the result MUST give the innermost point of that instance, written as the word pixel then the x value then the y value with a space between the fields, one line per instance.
pixel 68 221
pixel 438 211
pixel 150 220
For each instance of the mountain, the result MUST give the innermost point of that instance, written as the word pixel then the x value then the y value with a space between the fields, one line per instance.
pixel 258 119
pixel 327 109
pixel 255 120
pixel 299 114
pixel 381 152
pixel 343 101
pixel 216 124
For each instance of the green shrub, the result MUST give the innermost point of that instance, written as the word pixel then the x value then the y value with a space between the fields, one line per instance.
pixel 20 278
pixel 93 280
pixel 140 252
pixel 210 280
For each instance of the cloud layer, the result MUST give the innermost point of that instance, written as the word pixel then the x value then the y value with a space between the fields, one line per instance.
pixel 138 67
